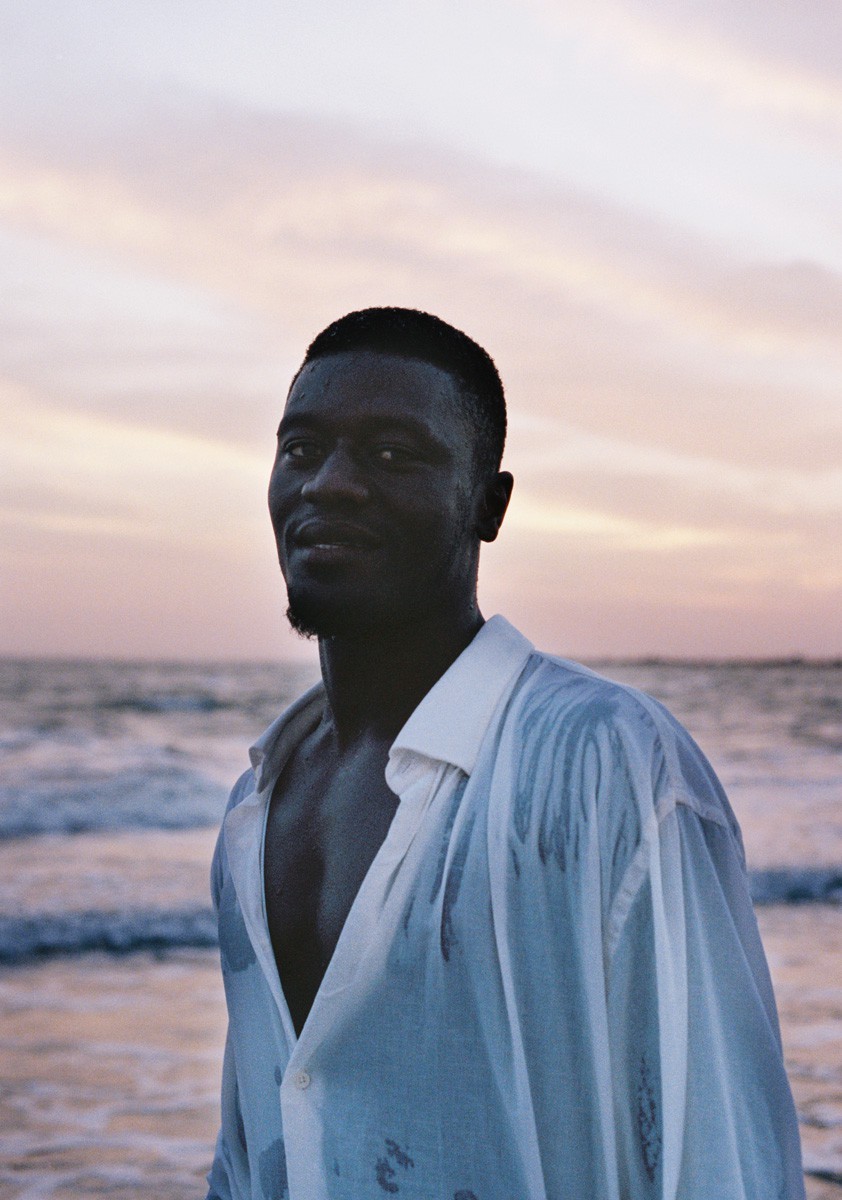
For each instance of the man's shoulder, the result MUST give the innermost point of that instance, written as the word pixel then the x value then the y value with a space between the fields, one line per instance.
pixel 571 714
pixel 559 692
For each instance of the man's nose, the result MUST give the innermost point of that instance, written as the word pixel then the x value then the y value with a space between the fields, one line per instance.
pixel 338 478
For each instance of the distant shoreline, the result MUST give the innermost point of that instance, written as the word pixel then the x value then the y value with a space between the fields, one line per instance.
pixel 309 666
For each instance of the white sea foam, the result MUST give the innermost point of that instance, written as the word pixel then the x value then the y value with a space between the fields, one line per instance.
pixel 89 746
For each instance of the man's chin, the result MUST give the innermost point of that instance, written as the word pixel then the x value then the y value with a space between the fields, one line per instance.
pixel 359 617
pixel 310 620
pixel 300 624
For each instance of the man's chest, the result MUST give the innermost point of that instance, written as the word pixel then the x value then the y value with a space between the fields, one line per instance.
pixel 326 822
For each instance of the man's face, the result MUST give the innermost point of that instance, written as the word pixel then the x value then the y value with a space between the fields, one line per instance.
pixel 373 495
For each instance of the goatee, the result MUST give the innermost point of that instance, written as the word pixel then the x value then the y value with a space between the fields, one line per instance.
pixel 300 625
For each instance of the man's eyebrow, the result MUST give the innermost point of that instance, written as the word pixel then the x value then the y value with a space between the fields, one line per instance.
pixel 293 420
pixel 374 424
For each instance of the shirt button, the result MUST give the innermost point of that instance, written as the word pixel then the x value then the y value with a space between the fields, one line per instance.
pixel 302 1080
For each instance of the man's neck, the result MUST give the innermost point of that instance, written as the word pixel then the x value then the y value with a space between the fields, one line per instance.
pixel 375 682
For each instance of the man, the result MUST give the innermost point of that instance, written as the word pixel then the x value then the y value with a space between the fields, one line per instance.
pixel 483 916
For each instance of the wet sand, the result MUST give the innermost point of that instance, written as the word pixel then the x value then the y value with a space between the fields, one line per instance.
pixel 106 871
pixel 110 1066
pixel 804 948
pixel 110 1076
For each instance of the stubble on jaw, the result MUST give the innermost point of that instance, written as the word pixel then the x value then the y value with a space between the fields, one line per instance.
pixel 300 625
pixel 309 623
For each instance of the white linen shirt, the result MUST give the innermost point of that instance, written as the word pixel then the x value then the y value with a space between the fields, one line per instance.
pixel 550 985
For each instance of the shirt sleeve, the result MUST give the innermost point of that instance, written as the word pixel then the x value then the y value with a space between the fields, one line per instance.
pixel 702 1105
pixel 229 1173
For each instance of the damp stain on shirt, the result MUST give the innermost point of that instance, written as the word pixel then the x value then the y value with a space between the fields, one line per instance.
pixel 272 1166
pixel 563 764
pixel 451 889
pixel 389 1166
pixel 238 1113
pixel 235 948
pixel 446 834
pixel 407 917
pixel 647 1121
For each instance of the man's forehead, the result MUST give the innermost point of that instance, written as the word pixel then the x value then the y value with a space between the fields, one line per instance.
pixel 373 381
pixel 367 363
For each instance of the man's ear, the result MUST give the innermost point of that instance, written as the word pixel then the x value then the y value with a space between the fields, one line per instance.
pixel 495 501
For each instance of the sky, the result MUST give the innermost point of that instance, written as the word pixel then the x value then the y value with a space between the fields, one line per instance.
pixel 635 206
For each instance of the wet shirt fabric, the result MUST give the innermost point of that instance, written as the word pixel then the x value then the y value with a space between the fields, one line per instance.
pixel 550 985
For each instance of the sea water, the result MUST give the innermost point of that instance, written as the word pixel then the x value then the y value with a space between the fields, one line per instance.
pixel 113 780
pixel 114 777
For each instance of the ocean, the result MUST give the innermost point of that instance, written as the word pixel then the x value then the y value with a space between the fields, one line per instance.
pixel 113 780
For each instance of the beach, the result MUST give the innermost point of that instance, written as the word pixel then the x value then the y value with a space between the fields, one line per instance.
pixel 113 780
pixel 804 949
pixel 111 1070
pixel 111 1064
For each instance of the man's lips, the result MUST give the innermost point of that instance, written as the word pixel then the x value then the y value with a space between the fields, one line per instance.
pixel 332 534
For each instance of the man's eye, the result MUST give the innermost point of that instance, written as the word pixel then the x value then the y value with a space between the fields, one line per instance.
pixel 393 454
pixel 301 450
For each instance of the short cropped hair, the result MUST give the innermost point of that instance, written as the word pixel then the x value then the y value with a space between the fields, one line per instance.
pixel 410 333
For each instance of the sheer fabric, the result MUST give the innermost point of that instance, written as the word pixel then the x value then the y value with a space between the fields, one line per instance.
pixel 550 985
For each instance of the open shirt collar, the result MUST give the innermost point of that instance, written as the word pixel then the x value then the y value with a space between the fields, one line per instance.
pixel 448 726
pixel 451 721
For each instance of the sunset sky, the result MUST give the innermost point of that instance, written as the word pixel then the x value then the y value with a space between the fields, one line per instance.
pixel 635 206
